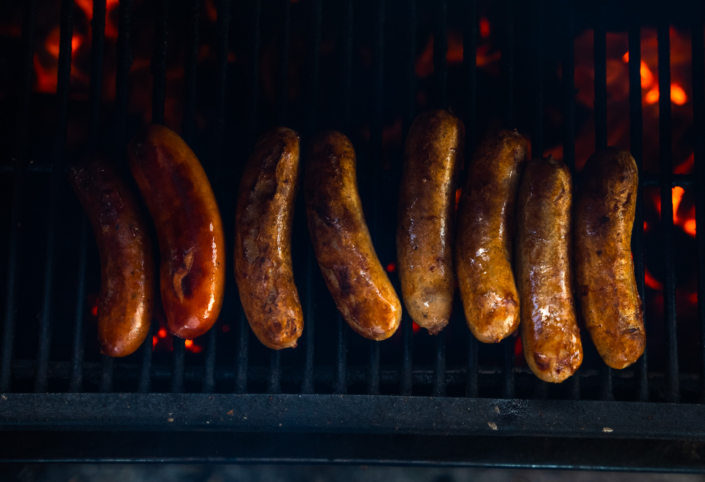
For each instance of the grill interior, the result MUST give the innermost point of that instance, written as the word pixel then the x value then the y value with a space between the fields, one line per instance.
pixel 222 72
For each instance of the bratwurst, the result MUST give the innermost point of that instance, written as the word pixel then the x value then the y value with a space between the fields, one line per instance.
pixel 341 241
pixel 433 157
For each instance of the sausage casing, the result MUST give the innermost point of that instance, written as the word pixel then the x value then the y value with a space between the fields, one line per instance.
pixel 126 299
pixel 484 240
pixel 341 241
pixel 549 329
pixel 190 232
pixel 432 160
pixel 263 223
pixel 606 285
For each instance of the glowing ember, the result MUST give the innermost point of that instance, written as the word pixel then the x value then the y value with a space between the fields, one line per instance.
pixel 415 327
pixel 162 333
pixel 678 96
pixel 391 267
pixel 484 27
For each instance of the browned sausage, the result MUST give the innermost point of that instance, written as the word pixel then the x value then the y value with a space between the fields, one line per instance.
pixel 484 242
pixel 191 242
pixel 341 241
pixel 265 212
pixel 432 159
pixel 549 330
pixel 126 299
pixel 606 286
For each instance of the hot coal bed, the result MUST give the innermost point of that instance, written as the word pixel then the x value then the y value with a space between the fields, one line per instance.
pixel 571 76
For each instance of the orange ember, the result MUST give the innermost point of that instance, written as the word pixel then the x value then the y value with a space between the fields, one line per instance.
pixel 162 333
pixel 415 327
pixel 650 281
pixel 391 267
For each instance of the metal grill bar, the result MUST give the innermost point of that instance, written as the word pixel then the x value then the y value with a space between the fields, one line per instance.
pixel 76 382
pixel 669 285
pixel 158 66
pixel 600 65
pixel 96 88
pixel 440 49
pixel 600 58
pixel 507 65
pixel 283 63
pixel 312 125
pixel 507 68
pixel 242 359
pixel 146 363
pixel 541 388
pixel 274 385
pixel 62 94
pixel 341 384
pixel 209 368
pixel 409 106
pixel 8 341
pixel 470 68
pixel 177 375
pixel 106 379
pixel 636 139
pixel 282 104
pixel 254 72
pixel 376 127
pixel 698 153
pixel 122 72
pixel 190 72
pixel 568 73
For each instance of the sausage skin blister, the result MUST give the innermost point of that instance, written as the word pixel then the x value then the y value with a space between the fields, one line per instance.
pixel 126 299
pixel 549 329
pixel 433 157
pixel 341 241
pixel 263 224
pixel 483 249
pixel 606 285
pixel 181 202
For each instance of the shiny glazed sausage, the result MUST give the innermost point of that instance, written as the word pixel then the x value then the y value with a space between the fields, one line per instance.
pixel 433 156
pixel 549 329
pixel 191 242
pixel 341 241
pixel 484 241
pixel 126 299
pixel 606 286
pixel 263 222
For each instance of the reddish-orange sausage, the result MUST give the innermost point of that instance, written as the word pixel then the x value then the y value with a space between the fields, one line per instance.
pixel 263 222
pixel 126 297
pixel 191 242
pixel 341 241
pixel 606 285
pixel 432 159
pixel 484 243
pixel 549 330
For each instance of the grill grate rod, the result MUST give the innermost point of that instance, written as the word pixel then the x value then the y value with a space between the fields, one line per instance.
pixel 62 94
pixel 698 153
pixel 636 139
pixel 470 68
pixel 669 285
pixel 8 341
pixel 507 69
pixel 600 66
pixel 341 384
pixel 409 112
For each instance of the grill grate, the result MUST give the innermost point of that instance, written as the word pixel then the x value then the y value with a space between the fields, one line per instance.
pixel 252 369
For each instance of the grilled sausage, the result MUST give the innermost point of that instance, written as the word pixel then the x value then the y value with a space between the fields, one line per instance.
pixel 606 286
pixel 126 299
pixel 549 329
pixel 190 232
pixel 265 212
pixel 484 241
pixel 341 241
pixel 432 159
